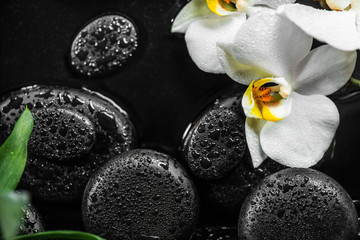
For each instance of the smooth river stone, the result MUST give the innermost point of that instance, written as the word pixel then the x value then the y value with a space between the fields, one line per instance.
pixel 104 45
pixel 215 144
pixel 75 132
pixel 298 204
pixel 141 194
pixel 31 221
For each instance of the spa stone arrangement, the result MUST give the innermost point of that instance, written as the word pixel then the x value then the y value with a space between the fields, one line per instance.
pixel 185 120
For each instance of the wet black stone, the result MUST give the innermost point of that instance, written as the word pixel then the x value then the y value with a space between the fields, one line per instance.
pixel 298 204
pixel 141 194
pixel 231 191
pixel 68 142
pixel 215 233
pixel 104 45
pixel 31 221
pixel 61 135
pixel 215 144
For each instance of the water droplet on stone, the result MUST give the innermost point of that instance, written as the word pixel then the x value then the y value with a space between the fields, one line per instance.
pixel 155 206
pixel 103 46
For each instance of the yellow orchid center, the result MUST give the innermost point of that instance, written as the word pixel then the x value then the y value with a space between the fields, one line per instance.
pixel 267 99
pixel 337 5
pixel 226 7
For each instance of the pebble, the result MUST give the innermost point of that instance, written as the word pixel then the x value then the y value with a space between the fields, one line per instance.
pixel 298 204
pixel 104 45
pixel 75 132
pixel 31 221
pixel 141 194
pixel 215 145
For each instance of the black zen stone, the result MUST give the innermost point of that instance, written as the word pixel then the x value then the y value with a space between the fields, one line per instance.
pixel 215 233
pixel 215 144
pixel 231 191
pixel 141 194
pixel 104 45
pixel 299 204
pixel 31 221
pixel 75 132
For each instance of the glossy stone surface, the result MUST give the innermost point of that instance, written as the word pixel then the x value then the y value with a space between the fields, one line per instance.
pixel 32 221
pixel 298 204
pixel 231 191
pixel 104 45
pixel 61 134
pixel 215 233
pixel 141 194
pixel 216 144
pixel 75 132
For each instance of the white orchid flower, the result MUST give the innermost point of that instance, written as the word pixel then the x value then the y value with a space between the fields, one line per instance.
pixel 288 117
pixel 339 26
pixel 206 22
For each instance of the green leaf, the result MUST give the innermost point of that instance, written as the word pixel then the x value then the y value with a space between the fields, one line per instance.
pixel 60 234
pixel 12 206
pixel 355 81
pixel 13 152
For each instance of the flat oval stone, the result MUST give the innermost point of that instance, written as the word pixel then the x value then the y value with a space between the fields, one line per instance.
pixel 75 132
pixel 298 204
pixel 141 194
pixel 231 191
pixel 61 134
pixel 31 221
pixel 104 45
pixel 215 144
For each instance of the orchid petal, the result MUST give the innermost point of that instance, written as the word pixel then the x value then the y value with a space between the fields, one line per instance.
pixel 202 35
pixel 251 108
pixel 271 3
pixel 301 139
pixel 338 29
pixel 253 10
pixel 355 6
pixel 240 73
pixel 267 41
pixel 252 130
pixel 258 6
pixel 324 71
pixel 192 11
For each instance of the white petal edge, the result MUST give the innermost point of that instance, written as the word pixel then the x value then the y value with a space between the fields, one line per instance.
pixel 192 11
pixel 202 35
pixel 267 41
pixel 252 130
pixel 355 6
pixel 253 10
pixel 240 73
pixel 324 70
pixel 338 29
pixel 301 139
pixel 271 3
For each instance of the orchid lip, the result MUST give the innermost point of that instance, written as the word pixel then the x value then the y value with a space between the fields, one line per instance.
pixel 268 99
pixel 226 7
pixel 336 5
